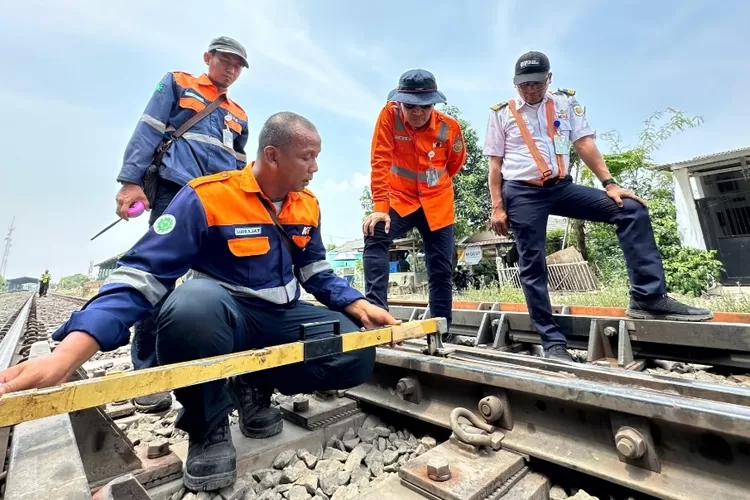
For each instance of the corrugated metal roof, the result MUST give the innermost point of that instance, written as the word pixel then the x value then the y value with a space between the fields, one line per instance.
pixel 707 158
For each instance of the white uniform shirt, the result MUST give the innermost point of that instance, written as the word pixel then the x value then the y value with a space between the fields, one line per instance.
pixel 504 140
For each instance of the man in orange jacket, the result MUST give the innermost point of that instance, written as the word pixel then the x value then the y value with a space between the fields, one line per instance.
pixel 416 151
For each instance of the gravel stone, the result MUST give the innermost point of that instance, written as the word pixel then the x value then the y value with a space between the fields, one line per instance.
pixel 293 472
pixel 349 434
pixel 308 458
pixel 309 481
pixel 346 492
pixel 298 493
pixel 335 454
pixel 429 443
pixel 177 495
pixel 389 457
pixel 382 432
pixel 324 466
pixel 283 459
pixel 350 444
pixel 355 458
pixel 367 435
pixel 382 444
pixel 557 493
pixel 371 422
pixel 235 491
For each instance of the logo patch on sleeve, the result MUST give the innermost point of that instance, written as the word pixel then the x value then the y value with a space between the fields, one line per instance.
pixel 164 224
pixel 247 231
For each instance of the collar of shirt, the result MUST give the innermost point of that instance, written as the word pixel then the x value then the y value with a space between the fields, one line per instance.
pixel 249 183
pixel 520 102
pixel 204 80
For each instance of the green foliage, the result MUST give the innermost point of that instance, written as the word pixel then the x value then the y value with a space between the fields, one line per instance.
pixel 555 240
pixel 72 282
pixel 472 197
pixel 3 284
pixel 330 247
pixel 365 200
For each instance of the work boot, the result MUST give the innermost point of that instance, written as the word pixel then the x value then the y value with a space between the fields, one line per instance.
pixel 153 403
pixel 665 307
pixel 258 419
pixel 558 352
pixel 211 462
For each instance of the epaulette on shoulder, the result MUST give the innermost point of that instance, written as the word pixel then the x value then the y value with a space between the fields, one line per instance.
pixel 570 92
pixel 206 179
pixel 499 106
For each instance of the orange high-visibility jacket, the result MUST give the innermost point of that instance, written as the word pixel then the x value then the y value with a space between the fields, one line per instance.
pixel 401 158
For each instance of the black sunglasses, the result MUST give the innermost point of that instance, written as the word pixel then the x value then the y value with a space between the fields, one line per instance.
pixel 423 106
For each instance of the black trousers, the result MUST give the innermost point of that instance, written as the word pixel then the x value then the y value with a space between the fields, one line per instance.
pixel 529 206
pixel 201 319
pixel 143 348
pixel 438 247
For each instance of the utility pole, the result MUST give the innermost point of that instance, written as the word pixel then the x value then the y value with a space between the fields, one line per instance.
pixel 91 269
pixel 4 262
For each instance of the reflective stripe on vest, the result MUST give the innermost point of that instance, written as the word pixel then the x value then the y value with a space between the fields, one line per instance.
pixel 410 174
pixel 544 169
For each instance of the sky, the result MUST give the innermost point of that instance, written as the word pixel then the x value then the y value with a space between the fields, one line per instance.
pixel 77 75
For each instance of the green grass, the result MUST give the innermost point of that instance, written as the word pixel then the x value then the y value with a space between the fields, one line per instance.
pixel 608 297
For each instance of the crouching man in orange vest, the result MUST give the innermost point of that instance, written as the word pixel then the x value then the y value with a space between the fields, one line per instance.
pixel 416 152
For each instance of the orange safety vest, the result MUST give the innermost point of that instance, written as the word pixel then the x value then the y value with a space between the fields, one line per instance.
pixel 544 170
pixel 414 168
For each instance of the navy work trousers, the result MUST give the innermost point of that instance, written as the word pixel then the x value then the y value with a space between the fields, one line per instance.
pixel 201 319
pixel 438 248
pixel 528 207
pixel 143 347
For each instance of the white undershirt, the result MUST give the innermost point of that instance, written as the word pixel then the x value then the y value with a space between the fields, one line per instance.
pixel 277 205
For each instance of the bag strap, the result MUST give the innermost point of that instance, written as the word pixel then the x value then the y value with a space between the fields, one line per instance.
pixel 284 236
pixel 199 116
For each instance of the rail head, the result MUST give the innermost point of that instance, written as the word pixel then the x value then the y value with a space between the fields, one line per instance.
pixel 9 344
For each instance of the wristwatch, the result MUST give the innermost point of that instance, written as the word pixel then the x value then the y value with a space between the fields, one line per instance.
pixel 607 182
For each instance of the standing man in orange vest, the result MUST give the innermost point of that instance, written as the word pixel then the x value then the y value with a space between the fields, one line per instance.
pixel 416 151
pixel 528 142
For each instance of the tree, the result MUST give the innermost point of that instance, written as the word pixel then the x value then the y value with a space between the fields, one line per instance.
pixel 3 284
pixel 330 247
pixel 365 200
pixel 687 270
pixel 472 196
pixel 72 282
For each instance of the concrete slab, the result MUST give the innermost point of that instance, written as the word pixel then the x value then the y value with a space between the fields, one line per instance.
pixel 531 487
pixel 389 489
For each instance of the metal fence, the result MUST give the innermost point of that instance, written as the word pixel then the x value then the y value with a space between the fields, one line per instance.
pixel 571 277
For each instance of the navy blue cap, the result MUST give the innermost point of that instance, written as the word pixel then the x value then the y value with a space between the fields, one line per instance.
pixel 418 87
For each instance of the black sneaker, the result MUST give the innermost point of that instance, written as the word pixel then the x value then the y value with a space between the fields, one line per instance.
pixel 559 353
pixel 212 462
pixel 258 419
pixel 665 307
pixel 153 403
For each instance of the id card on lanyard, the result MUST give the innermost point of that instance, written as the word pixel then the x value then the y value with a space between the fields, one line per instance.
pixel 562 143
pixel 432 175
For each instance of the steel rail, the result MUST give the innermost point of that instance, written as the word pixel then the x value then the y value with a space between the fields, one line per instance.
pixel 692 439
pixel 594 311
pixel 9 344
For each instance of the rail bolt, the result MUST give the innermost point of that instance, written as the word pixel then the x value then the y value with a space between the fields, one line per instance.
pixel 491 408
pixel 438 469
pixel 630 443
pixel 406 386
pixel 301 404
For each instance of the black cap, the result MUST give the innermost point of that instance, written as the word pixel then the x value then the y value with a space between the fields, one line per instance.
pixel 417 86
pixel 531 67
pixel 229 46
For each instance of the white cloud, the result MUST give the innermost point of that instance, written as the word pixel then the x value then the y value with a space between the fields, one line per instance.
pixel 355 183
pixel 276 35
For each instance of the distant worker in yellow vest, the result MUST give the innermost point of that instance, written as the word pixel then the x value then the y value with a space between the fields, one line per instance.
pixel 44 283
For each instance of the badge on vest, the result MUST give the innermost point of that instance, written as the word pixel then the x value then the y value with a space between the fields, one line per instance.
pixel 228 138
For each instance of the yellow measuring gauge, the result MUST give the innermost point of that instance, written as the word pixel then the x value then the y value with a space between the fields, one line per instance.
pixel 33 404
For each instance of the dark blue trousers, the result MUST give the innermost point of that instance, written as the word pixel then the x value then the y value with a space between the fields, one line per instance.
pixel 201 319
pixel 528 208
pixel 143 347
pixel 438 248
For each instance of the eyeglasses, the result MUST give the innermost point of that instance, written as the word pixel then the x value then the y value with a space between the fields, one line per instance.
pixel 424 106
pixel 533 85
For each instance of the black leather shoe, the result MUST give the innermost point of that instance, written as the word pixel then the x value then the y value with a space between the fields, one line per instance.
pixel 665 307
pixel 258 419
pixel 211 462
pixel 153 403
pixel 558 352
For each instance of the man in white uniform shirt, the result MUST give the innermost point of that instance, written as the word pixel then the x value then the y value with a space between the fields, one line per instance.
pixel 528 142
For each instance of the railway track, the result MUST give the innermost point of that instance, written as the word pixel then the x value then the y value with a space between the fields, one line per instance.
pixel 532 423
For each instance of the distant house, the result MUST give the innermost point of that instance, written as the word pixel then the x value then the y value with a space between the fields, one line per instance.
pixel 346 254
pixel 712 198
pixel 24 283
